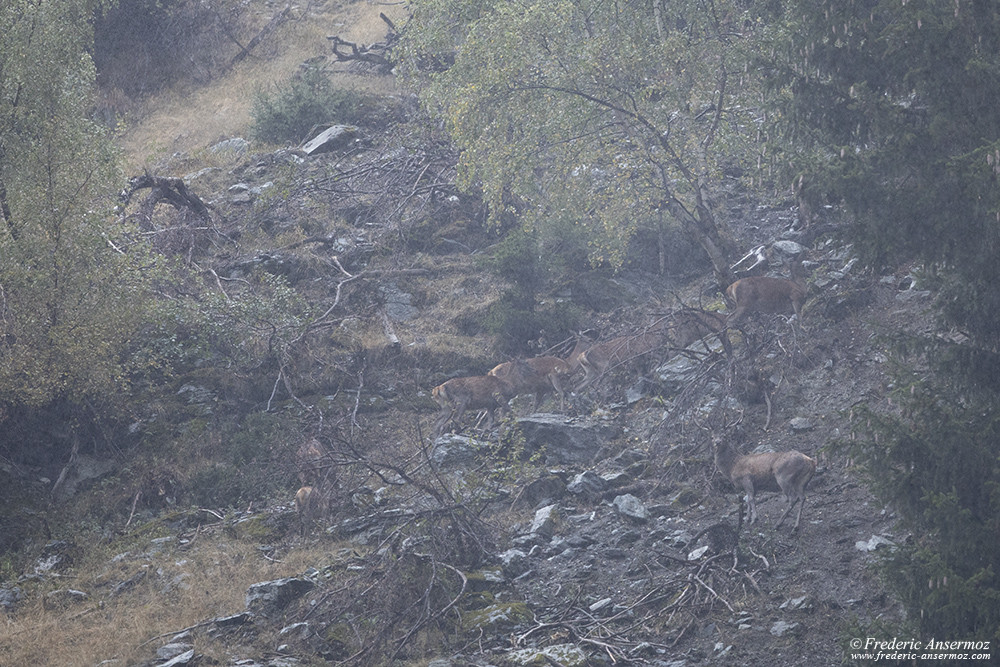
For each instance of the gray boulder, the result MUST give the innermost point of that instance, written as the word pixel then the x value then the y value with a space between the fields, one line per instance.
pixel 565 440
pixel 269 597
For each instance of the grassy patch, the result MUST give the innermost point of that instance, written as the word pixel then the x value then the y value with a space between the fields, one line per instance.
pixel 174 586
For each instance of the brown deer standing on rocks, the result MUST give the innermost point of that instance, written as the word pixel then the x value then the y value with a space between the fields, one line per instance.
pixel 310 505
pixel 598 358
pixel 782 472
pixel 484 392
pixel 314 470
pixel 679 329
pixel 538 376
pixel 764 294
pixel 310 463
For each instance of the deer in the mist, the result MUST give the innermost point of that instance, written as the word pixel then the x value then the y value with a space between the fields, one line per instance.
pixel 480 392
pixel 764 294
pixel 538 376
pixel 679 329
pixel 310 462
pixel 315 473
pixel 309 506
pixel 598 358
pixel 780 472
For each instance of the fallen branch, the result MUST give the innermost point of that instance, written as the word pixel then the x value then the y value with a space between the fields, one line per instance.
pixel 374 54
pixel 265 31
pixel 171 190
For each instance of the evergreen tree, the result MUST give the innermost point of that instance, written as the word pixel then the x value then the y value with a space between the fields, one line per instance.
pixel 891 109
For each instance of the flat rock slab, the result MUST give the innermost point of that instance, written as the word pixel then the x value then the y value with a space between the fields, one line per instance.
pixel 563 439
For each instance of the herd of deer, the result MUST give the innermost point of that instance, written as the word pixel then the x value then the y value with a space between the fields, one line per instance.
pixel 785 472
pixel 543 375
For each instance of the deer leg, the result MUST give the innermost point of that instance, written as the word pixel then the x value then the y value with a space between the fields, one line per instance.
pixel 593 372
pixel 751 501
pixel 557 385
pixel 443 418
pixel 791 504
pixel 735 316
pixel 797 307
pixel 489 419
pixel 459 411
pixel 802 503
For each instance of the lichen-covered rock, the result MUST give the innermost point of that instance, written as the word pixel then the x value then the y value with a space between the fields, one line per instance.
pixel 545 521
pixel 588 485
pixel 269 597
pixel 569 655
pixel 498 617
pixel 631 507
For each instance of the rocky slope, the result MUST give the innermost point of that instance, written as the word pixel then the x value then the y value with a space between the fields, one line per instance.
pixel 596 536
pixel 599 535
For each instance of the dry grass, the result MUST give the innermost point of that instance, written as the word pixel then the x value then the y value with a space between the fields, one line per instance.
pixel 185 120
pixel 213 578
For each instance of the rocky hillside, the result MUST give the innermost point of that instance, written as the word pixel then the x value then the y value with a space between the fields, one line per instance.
pixel 597 534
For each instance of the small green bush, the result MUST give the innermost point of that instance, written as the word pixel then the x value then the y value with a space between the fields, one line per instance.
pixel 517 317
pixel 310 99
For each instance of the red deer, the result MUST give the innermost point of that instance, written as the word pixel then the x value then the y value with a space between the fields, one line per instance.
pixel 688 325
pixel 764 294
pixel 309 506
pixel 485 392
pixel 784 472
pixel 310 462
pixel 537 376
pixel 598 358
pixel 582 345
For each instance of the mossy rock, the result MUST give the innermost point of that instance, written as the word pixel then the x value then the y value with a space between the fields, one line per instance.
pixel 337 638
pixel 498 617
pixel 478 600
pixel 261 528
pixel 485 580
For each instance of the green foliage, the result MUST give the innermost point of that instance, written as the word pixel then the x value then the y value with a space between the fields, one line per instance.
pixel 255 323
pixel 890 108
pixel 515 318
pixel 591 112
pixel 310 99
pixel 935 458
pixel 73 279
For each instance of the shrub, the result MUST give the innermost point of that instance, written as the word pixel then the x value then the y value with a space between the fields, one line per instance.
pixel 310 99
